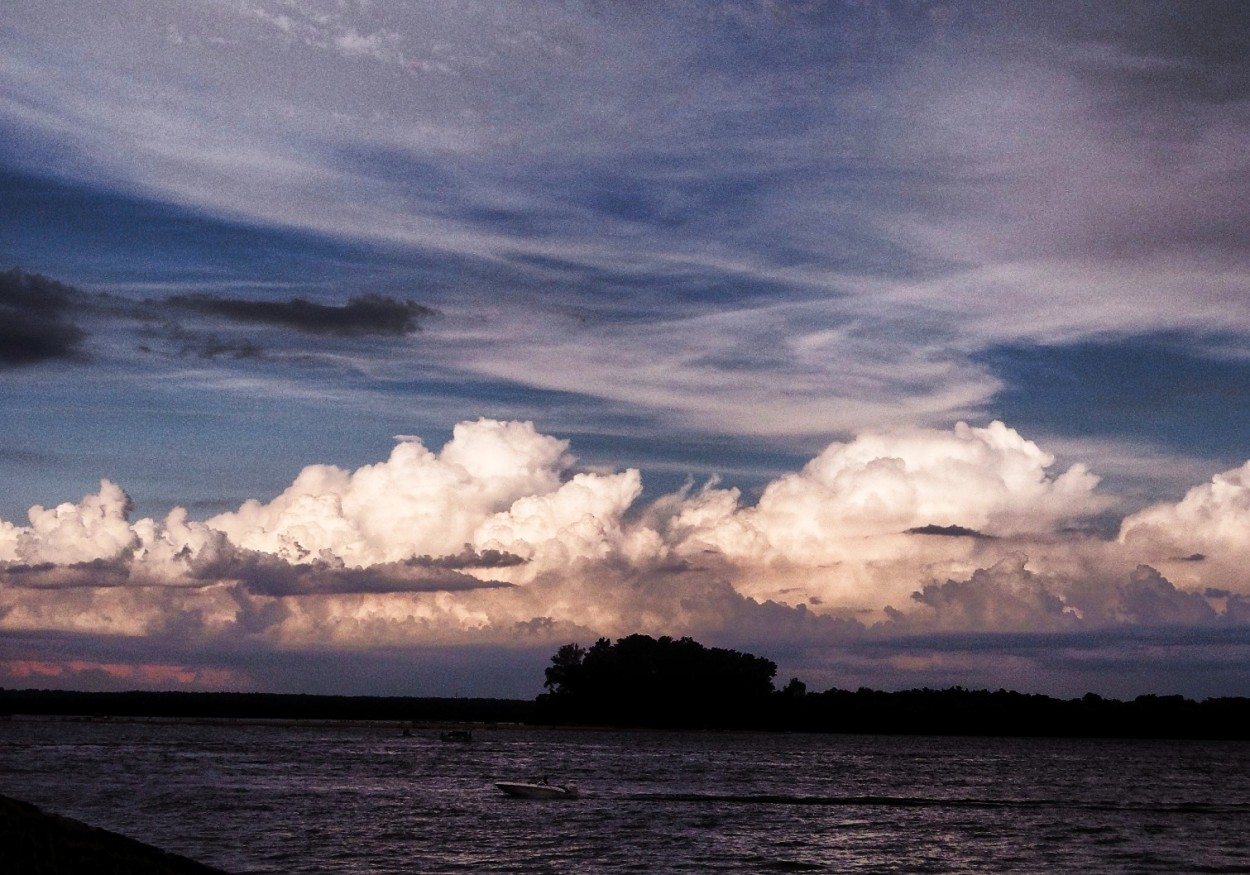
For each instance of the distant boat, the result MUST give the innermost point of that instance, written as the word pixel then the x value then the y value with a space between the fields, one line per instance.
pixel 541 790
pixel 455 735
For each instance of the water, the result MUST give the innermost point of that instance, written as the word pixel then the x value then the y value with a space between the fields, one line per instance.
pixel 272 799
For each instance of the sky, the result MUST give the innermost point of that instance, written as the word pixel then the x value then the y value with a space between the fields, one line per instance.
pixel 367 347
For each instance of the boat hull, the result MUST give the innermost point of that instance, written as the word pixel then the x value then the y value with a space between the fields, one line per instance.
pixel 536 791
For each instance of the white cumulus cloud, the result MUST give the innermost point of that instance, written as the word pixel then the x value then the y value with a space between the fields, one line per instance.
pixel 415 503
pixel 839 531
pixel 1202 539
pixel 499 538
pixel 95 528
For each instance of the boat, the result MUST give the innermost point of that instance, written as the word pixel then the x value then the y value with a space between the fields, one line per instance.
pixel 540 790
pixel 456 735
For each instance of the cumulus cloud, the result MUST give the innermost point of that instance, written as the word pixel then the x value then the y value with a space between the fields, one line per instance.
pixel 499 539
pixel 1004 598
pixel 1150 599
pixel 1203 539
pixel 990 479
pixel 504 496
pixel 1212 519
pixel 499 528
pixel 1011 597
pixel 96 528
pixel 415 503
pixel 837 532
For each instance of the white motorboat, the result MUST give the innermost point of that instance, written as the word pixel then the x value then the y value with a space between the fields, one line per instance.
pixel 542 790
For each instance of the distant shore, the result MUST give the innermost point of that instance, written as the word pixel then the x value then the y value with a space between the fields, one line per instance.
pixel 954 711
pixel 35 842
pixel 264 707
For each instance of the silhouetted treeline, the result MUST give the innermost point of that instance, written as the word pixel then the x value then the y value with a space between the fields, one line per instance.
pixel 958 711
pixel 666 683
pixel 263 706
pixel 643 681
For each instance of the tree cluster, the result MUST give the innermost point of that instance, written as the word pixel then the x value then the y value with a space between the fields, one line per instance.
pixel 664 682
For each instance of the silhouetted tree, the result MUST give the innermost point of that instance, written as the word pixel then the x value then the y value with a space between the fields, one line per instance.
pixel 796 689
pixel 564 673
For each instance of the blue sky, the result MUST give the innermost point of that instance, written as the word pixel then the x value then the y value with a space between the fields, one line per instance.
pixel 749 265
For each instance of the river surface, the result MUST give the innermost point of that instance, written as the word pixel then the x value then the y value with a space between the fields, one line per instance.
pixel 360 799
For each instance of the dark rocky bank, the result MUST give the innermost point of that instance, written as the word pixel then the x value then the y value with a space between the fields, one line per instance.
pixel 35 842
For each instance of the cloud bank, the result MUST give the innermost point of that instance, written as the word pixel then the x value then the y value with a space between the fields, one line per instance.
pixel 500 540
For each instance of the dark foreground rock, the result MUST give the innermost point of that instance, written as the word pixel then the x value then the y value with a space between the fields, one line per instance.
pixel 33 842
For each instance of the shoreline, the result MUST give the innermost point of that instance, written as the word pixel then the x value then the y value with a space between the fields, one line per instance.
pixel 37 842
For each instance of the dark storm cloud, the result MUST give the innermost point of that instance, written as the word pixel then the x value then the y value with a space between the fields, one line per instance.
pixel 35 320
pixel 77 575
pixel 946 531
pixel 361 316
pixel 265 574
pixel 469 558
